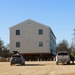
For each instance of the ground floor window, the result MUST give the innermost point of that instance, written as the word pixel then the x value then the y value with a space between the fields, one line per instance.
pixel 41 44
pixel 17 44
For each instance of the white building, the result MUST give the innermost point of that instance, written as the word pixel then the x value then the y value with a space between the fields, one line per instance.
pixel 32 37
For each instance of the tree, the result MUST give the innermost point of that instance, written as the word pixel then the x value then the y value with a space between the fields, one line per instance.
pixel 8 46
pixel 4 50
pixel 1 44
pixel 62 46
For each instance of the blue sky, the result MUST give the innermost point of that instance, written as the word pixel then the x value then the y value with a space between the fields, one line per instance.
pixel 57 14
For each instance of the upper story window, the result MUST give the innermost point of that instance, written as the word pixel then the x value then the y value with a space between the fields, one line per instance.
pixel 17 32
pixel 40 31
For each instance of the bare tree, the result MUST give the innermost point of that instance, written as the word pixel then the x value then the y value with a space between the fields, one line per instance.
pixel 1 44
pixel 63 46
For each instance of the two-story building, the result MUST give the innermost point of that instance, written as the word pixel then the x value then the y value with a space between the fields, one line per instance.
pixel 31 38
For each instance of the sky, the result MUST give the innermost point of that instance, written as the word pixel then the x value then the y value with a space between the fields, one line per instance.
pixel 59 15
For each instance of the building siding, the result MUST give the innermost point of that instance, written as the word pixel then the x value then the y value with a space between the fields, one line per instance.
pixel 29 38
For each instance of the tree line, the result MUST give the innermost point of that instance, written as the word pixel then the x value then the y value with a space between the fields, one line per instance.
pixel 4 50
pixel 63 46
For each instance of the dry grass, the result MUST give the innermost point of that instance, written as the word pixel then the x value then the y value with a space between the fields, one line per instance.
pixel 37 68
pixel 67 74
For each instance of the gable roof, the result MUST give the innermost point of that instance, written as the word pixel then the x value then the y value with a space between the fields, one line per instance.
pixel 28 21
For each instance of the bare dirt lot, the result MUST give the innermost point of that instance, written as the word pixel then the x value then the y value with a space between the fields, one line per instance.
pixel 37 68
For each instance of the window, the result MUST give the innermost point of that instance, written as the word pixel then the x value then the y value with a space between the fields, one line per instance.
pixel 40 31
pixel 63 54
pixel 40 44
pixel 17 44
pixel 17 32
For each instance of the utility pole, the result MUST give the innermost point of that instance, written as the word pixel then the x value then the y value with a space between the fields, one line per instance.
pixel 73 43
pixel 0 44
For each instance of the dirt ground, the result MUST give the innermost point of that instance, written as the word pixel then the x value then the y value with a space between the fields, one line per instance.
pixel 37 68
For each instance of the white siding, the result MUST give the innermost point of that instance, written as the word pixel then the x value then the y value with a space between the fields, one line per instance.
pixel 29 38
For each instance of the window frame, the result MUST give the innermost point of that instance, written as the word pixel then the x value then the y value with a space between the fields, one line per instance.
pixel 17 32
pixel 17 44
pixel 40 43
pixel 40 31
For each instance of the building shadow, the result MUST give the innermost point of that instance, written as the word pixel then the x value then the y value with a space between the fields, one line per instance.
pixel 31 65
pixel 70 64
